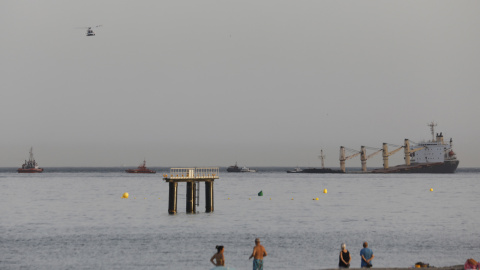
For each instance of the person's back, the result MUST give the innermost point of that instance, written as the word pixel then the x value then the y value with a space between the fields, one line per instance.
pixel 367 256
pixel 218 257
pixel 344 257
pixel 258 253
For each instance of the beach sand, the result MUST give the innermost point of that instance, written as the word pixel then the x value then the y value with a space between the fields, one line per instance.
pixel 454 267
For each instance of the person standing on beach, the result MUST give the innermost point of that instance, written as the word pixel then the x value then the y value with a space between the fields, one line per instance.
pixel 344 257
pixel 219 258
pixel 367 256
pixel 258 253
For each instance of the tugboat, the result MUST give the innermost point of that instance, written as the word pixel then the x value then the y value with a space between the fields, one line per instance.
pixel 235 168
pixel 30 165
pixel 141 169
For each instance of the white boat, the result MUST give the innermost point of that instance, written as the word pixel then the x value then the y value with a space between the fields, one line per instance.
pixel 245 169
pixel 296 170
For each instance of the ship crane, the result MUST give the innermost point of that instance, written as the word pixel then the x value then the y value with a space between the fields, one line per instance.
pixel 364 156
pixel 386 154
pixel 408 151
pixel 343 158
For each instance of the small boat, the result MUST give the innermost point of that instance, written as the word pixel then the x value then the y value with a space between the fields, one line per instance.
pixel 296 170
pixel 141 169
pixel 30 165
pixel 245 169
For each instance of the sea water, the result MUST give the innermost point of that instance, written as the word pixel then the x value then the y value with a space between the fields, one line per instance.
pixel 76 219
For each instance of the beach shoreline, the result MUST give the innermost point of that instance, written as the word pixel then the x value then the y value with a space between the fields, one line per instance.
pixel 453 267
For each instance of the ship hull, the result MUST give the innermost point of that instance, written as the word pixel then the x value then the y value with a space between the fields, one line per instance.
pixel 32 170
pixel 438 167
pixel 315 170
pixel 137 171
pixel 234 169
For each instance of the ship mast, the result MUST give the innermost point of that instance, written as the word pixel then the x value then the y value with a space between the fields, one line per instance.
pixel 31 153
pixel 322 157
pixel 432 126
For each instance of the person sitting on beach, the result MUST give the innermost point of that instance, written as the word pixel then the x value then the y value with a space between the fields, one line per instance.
pixel 344 257
pixel 219 258
pixel 471 264
pixel 258 253
pixel 367 256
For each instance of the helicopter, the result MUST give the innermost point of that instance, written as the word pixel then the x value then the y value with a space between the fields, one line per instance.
pixel 89 30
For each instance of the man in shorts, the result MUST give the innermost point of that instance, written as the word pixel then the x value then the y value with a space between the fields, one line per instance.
pixel 258 253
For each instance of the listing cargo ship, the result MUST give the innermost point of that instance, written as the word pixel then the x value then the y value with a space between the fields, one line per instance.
pixel 316 170
pixel 141 169
pixel 434 156
pixel 30 165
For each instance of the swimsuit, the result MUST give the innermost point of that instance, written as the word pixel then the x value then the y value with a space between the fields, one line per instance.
pixel 257 264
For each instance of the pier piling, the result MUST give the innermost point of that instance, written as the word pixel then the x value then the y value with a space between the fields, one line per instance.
pixel 191 196
pixel 209 196
pixel 172 198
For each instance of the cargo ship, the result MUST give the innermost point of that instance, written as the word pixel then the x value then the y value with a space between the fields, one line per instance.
pixel 433 156
pixel 316 170
pixel 141 169
pixel 30 165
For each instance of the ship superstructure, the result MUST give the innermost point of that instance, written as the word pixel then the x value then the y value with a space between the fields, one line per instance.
pixel 435 151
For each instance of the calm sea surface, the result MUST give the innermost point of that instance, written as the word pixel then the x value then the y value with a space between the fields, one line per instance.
pixel 76 219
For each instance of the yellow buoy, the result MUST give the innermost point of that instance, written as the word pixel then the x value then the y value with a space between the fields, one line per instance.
pixel 292 199
pixel 125 195
pixel 316 199
pixel 431 189
pixel 325 191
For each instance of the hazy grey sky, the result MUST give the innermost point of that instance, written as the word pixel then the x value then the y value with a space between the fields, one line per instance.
pixel 208 83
